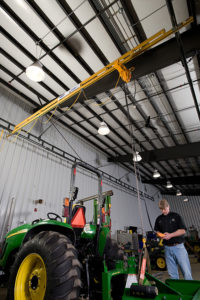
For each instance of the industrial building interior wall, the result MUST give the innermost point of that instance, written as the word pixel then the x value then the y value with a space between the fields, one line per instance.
pixel 188 207
pixel 29 173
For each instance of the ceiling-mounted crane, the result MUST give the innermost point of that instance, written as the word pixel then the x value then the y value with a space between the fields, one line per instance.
pixel 118 64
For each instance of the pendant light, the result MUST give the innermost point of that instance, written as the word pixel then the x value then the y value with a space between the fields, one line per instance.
pixel 103 129
pixel 156 174
pixel 169 185
pixel 35 72
pixel 137 157
pixel 178 193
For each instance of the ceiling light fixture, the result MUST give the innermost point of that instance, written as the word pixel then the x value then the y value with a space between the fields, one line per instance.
pixel 137 157
pixel 169 185
pixel 156 174
pixel 185 200
pixel 35 72
pixel 178 193
pixel 103 129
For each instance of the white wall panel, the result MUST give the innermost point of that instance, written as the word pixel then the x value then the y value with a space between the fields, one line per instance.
pixel 30 173
pixel 190 210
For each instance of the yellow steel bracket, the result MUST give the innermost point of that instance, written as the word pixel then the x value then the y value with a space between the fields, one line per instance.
pixel 117 64
pixel 124 73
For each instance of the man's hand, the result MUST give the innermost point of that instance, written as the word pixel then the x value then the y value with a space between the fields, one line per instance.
pixel 160 235
pixel 167 236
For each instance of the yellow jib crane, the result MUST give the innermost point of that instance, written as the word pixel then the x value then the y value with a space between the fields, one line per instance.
pixel 117 64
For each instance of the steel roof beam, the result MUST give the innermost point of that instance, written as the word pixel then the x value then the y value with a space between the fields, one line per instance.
pixel 182 54
pixel 140 110
pixel 83 32
pixel 114 131
pixel 122 49
pixel 105 22
pixel 186 180
pixel 19 65
pixel 59 35
pixel 194 10
pixel 137 126
pixel 185 192
pixel 169 153
pixel 87 37
pixel 29 55
pixel 36 39
pixel 138 29
pixel 133 19
pixel 177 120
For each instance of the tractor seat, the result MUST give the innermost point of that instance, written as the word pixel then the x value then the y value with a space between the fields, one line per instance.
pixel 78 216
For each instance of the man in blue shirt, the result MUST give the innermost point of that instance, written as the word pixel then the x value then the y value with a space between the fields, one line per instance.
pixel 172 227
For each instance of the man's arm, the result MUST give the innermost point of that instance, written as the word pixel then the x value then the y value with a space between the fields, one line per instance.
pixel 168 236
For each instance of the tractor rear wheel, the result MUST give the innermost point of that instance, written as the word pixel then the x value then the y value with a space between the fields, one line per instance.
pixel 46 267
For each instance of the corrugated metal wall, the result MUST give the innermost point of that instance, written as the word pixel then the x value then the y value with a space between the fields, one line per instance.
pixel 190 210
pixel 30 173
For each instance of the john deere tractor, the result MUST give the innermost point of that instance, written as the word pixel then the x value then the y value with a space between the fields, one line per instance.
pixel 55 260
pixel 50 259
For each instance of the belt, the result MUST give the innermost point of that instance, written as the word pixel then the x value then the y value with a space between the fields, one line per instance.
pixel 171 245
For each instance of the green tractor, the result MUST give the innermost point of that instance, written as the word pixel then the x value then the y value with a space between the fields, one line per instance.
pixel 53 260
pixel 50 259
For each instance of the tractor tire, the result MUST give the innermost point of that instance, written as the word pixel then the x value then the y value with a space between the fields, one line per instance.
pixel 46 268
pixel 112 253
pixel 161 263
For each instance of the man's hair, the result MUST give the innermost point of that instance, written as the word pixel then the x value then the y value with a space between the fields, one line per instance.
pixel 163 204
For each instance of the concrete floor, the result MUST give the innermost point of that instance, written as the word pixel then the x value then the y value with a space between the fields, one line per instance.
pixel 195 265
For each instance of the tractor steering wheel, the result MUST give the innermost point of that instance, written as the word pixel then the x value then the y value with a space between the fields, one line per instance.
pixel 53 216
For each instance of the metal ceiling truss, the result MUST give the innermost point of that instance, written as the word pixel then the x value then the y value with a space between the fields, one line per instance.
pixel 182 55
pixel 108 27
pixel 133 19
pixel 101 74
pixel 35 38
pixel 164 154
pixel 29 55
pixel 141 37
pixel 124 111
pixel 187 180
pixel 60 37
pixel 144 116
pixel 84 33
pixel 188 192
pixel 97 7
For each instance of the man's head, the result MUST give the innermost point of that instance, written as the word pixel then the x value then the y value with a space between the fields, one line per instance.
pixel 164 206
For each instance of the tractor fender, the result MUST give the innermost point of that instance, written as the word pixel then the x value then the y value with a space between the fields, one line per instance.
pixel 67 231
